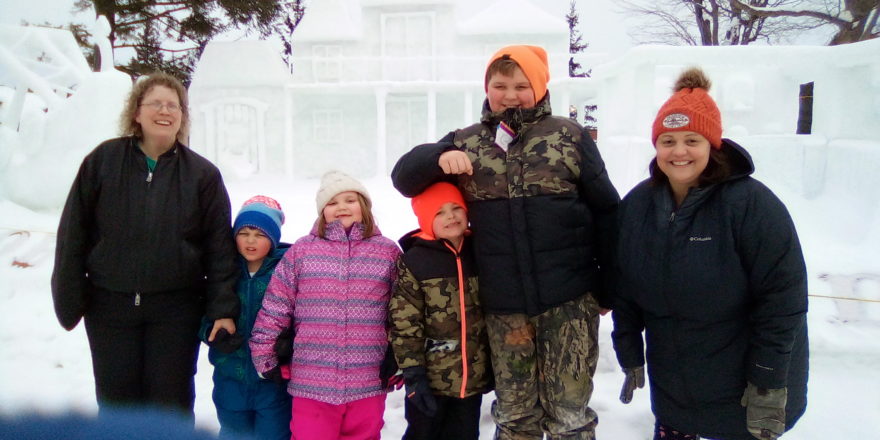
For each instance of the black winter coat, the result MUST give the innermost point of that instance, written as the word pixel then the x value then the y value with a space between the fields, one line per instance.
pixel 719 287
pixel 542 212
pixel 435 316
pixel 125 229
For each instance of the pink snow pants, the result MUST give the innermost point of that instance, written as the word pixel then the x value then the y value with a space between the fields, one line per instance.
pixel 358 420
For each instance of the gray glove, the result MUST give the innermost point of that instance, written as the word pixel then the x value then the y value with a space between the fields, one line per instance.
pixel 635 378
pixel 765 411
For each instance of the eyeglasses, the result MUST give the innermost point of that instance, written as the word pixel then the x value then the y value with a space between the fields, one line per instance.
pixel 157 106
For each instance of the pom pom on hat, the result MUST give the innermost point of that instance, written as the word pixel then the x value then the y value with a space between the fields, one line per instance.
pixel 263 213
pixel 533 62
pixel 335 182
pixel 427 203
pixel 690 108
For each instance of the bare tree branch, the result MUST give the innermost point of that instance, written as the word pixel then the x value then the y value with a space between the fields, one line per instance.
pixel 759 12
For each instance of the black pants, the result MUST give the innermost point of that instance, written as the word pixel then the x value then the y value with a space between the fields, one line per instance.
pixel 455 419
pixel 145 354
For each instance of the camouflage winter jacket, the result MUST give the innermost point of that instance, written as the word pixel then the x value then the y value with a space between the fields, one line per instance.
pixel 542 212
pixel 426 310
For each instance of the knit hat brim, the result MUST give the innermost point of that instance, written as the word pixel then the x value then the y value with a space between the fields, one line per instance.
pixel 258 220
pixel 690 109
pixel 427 203
pixel 532 60
pixel 335 182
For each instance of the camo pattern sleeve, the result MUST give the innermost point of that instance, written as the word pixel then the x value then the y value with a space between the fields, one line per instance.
pixel 406 311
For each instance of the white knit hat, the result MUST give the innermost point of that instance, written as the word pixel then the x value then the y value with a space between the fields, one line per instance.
pixel 335 182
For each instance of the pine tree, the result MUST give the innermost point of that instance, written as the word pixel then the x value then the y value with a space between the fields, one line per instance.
pixel 170 35
pixel 576 45
pixel 291 16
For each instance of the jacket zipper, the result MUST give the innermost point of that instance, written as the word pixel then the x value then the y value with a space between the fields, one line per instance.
pixel 137 299
pixel 461 312
pixel 666 269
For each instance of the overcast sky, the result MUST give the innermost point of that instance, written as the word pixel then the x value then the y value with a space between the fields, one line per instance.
pixel 601 26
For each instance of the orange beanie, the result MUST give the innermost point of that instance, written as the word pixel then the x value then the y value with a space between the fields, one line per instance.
pixel 533 62
pixel 426 205
pixel 690 108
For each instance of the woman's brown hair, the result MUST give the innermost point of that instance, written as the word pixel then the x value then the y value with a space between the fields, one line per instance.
pixel 366 218
pixel 129 127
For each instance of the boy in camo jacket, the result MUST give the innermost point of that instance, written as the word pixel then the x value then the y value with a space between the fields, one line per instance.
pixel 437 329
pixel 543 214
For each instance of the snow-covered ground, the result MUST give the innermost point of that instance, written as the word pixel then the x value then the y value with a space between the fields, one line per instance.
pixel 47 370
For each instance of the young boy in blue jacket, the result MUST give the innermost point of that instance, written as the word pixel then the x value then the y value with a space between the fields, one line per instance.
pixel 246 403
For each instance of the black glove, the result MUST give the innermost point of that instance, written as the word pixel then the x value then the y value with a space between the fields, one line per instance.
pixel 635 378
pixel 418 392
pixel 275 375
pixel 226 342
pixel 765 411
pixel 284 346
pixel 389 369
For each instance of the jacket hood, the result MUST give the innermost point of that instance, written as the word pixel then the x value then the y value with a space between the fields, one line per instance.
pixel 741 164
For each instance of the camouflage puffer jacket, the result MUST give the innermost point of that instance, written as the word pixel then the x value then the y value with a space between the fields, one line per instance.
pixel 428 304
pixel 542 212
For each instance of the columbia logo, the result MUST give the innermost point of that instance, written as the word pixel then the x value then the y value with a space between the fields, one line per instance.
pixel 701 239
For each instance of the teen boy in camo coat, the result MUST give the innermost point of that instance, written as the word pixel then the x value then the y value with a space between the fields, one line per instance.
pixel 543 213
pixel 437 329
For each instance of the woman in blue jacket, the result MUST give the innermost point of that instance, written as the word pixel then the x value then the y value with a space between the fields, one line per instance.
pixel 710 268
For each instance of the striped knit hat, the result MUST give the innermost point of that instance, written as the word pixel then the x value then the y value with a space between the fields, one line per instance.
pixel 263 213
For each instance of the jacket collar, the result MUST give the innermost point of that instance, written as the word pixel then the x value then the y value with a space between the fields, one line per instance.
pixel 335 232
pixel 411 239
pixel 134 143
pixel 269 262
pixel 517 118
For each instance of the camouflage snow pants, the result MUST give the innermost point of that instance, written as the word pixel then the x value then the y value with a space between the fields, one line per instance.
pixel 544 369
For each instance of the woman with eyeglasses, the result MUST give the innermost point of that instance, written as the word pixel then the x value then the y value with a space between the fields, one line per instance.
pixel 144 251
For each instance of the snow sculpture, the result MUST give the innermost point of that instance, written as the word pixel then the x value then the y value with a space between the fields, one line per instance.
pixel 54 110
pixel 237 109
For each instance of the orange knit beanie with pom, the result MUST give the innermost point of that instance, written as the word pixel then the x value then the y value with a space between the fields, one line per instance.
pixel 690 108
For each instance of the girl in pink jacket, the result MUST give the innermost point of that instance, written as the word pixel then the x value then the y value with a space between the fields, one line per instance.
pixel 332 287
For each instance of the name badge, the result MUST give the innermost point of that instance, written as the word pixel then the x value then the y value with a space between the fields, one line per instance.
pixel 503 136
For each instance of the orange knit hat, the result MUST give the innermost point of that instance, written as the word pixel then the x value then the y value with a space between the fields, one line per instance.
pixel 426 205
pixel 690 108
pixel 533 62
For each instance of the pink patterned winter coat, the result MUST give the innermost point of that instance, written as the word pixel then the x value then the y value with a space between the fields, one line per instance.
pixel 336 290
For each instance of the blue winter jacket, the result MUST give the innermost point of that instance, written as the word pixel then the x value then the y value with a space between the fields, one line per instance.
pixel 238 365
